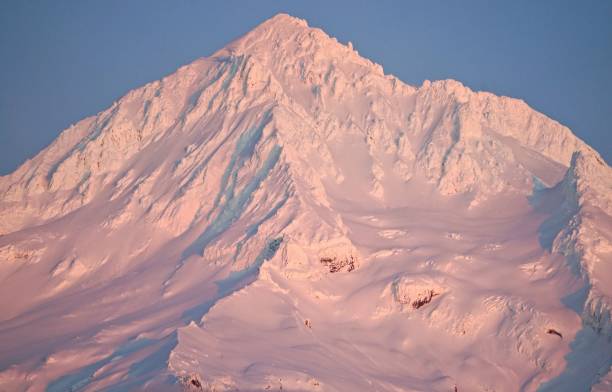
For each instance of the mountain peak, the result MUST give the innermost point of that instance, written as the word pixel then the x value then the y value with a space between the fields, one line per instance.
pixel 280 26
pixel 284 19
pixel 284 40
pixel 347 198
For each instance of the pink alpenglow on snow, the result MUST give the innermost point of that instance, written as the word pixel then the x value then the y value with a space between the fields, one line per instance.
pixel 285 215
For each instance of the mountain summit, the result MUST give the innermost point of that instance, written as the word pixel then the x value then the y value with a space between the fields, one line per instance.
pixel 284 215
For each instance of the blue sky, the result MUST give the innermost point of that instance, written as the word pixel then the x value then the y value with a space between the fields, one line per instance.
pixel 61 61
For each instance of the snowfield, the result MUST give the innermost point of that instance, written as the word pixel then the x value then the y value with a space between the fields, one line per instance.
pixel 283 215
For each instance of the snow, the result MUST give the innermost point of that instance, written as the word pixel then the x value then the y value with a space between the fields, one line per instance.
pixel 285 215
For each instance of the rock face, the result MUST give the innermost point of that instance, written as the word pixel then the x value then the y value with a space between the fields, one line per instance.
pixel 431 236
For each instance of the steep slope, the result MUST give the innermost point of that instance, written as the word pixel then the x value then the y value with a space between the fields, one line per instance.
pixel 285 215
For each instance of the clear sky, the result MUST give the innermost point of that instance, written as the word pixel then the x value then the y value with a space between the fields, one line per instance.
pixel 64 60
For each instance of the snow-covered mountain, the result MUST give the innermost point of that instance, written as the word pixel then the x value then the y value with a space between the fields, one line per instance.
pixel 284 215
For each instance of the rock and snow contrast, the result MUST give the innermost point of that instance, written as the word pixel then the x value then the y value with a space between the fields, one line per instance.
pixel 283 215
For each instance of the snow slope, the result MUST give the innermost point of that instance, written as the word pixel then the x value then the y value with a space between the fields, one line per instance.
pixel 284 215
